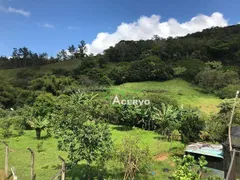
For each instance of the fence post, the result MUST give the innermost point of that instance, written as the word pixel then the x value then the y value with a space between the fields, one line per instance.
pixel 32 164
pixel 6 158
pixel 63 170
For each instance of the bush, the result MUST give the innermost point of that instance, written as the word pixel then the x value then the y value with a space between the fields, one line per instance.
pixel 191 124
pixel 188 168
pixel 133 157
pixel 150 68
pixel 229 91
pixel 176 135
pixel 193 66
pixel 5 126
pixel 118 74
pixel 217 126
pixel 60 72
pixel 104 80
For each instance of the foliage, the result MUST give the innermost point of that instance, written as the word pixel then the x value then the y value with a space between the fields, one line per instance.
pixel 128 114
pixel 81 135
pixel 39 114
pixel 118 74
pixel 7 94
pixel 178 71
pixel 176 135
pixel 214 79
pixel 54 85
pixel 134 158
pixel 150 68
pixel 60 72
pixel 192 66
pixel 189 169
pixel 229 91
pixel 191 124
pixel 23 77
pixel 166 118
pixel 11 120
pixel 218 124
pixel 23 57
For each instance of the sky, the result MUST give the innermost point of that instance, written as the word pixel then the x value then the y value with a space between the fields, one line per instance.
pixel 52 25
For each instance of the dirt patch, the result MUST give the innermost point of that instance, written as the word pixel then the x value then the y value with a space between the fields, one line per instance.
pixel 162 157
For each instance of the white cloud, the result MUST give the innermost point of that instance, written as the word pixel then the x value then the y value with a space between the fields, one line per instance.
pixel 146 27
pixel 46 25
pixel 14 10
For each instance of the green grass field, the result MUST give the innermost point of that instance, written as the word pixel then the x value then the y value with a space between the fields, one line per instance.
pixel 183 92
pixel 47 162
pixel 69 65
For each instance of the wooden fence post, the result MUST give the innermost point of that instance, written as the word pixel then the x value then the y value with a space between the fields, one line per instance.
pixel 32 164
pixel 63 170
pixel 6 158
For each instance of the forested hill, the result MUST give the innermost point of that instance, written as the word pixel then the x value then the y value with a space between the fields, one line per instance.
pixel 208 59
pixel 214 44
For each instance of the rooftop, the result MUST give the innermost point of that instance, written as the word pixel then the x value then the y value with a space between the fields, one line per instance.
pixel 205 149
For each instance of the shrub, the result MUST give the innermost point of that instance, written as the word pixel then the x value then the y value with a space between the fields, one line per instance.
pixel 5 126
pixel 60 72
pixel 135 159
pixel 191 124
pixel 229 91
pixel 188 168
pixel 176 135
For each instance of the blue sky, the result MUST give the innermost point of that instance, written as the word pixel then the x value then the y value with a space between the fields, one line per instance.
pixel 52 25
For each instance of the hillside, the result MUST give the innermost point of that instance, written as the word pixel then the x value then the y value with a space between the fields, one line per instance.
pixel 68 65
pixel 179 90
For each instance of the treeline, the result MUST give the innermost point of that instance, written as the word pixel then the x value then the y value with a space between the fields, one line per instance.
pixel 221 44
pixel 23 57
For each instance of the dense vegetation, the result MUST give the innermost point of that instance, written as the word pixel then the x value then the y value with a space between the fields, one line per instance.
pixel 74 106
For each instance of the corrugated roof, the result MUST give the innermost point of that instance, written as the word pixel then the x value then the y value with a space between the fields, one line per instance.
pixel 206 149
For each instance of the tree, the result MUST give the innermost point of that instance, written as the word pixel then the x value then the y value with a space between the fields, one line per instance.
pixel 40 113
pixel 82 50
pixel 53 84
pixel 166 118
pixel 62 55
pixel 214 79
pixel 150 68
pixel 191 124
pixel 217 125
pixel 71 49
pixel 8 93
pixel 80 133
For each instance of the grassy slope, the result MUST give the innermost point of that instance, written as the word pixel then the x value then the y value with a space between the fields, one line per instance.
pixel 183 92
pixel 69 65
pixel 47 162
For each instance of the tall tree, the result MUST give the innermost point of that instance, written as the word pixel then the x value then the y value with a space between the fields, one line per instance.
pixel 82 49
pixel 62 55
